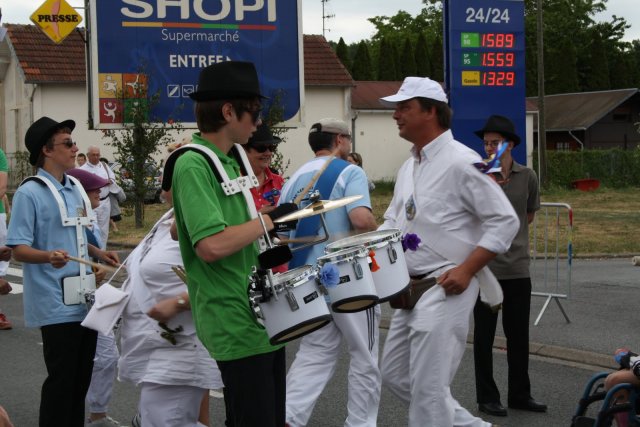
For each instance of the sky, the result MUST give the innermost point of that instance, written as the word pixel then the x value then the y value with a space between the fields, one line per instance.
pixel 350 16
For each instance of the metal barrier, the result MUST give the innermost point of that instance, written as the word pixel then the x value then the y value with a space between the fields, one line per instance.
pixel 550 265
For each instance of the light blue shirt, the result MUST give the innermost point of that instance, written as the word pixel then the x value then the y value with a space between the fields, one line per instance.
pixel 36 222
pixel 352 181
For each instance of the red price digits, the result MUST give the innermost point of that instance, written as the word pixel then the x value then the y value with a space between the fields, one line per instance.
pixel 505 40
pixel 498 59
pixel 498 78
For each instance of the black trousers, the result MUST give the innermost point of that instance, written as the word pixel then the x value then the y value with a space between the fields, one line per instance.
pixel 515 323
pixel 255 390
pixel 68 349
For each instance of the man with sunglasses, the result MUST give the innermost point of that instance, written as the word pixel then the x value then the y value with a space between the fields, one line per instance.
pixel 520 184
pixel 318 354
pixel 44 245
pixel 217 238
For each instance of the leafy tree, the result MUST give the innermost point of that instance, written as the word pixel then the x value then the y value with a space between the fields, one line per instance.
pixel 343 53
pixel 275 116
pixel 386 62
pixel 561 72
pixel 408 66
pixel 141 137
pixel 362 68
pixel 423 65
pixel 593 70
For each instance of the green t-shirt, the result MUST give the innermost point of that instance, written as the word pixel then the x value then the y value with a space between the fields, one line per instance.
pixel 224 321
pixel 4 167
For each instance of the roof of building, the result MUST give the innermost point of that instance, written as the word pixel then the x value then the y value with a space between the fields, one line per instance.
pixel 578 111
pixel 43 61
pixel 321 64
pixel 366 95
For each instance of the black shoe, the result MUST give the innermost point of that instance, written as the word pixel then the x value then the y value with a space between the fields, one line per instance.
pixel 528 405
pixel 493 408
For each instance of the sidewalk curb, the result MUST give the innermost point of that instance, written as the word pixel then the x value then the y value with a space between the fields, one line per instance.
pixel 546 350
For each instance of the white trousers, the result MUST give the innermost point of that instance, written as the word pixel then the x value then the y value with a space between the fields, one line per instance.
pixel 422 353
pixel 315 364
pixel 170 405
pixel 103 214
pixel 4 265
pixel 104 373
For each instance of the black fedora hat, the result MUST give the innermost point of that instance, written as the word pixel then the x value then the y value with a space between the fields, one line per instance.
pixel 227 80
pixel 502 125
pixel 39 133
pixel 263 136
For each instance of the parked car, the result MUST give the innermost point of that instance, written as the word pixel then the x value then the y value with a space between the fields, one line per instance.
pixel 153 176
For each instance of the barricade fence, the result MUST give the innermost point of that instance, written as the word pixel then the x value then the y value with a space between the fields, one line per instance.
pixel 551 255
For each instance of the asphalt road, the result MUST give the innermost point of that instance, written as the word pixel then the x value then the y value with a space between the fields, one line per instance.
pixel 602 308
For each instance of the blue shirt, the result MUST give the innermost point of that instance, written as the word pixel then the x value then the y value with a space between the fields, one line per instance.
pixel 352 181
pixel 36 222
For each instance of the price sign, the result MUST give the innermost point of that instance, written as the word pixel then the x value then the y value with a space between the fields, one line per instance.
pixel 485 53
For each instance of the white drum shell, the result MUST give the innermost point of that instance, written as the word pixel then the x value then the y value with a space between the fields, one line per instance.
pixel 356 290
pixel 392 277
pixel 284 324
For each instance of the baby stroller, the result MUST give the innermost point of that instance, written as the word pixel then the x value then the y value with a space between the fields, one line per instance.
pixel 594 392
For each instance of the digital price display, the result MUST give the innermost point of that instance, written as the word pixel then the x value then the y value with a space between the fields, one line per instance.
pixel 485 53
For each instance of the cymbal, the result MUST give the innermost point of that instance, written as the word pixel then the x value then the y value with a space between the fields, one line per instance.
pixel 319 207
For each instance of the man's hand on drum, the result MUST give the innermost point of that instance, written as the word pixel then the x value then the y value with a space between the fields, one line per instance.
pixel 455 281
pixel 58 258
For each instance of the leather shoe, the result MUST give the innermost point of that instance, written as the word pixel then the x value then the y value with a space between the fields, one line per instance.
pixel 493 408
pixel 528 405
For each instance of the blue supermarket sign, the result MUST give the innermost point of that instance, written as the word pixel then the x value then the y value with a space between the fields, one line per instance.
pixel 485 67
pixel 141 47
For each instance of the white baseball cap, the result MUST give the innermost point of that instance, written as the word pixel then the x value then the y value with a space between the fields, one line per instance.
pixel 331 125
pixel 414 87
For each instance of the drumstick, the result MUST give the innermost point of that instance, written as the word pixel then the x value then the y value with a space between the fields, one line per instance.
pixel 180 272
pixel 311 183
pixel 92 264
pixel 285 241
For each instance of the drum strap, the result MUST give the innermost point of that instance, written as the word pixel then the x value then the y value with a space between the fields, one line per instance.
pixel 311 225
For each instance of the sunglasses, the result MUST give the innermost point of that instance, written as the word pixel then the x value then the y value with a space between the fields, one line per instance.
pixel 256 114
pixel 262 148
pixel 168 333
pixel 67 144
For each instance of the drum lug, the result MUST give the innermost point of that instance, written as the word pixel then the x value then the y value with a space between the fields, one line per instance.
pixel 393 255
pixel 357 269
pixel 291 299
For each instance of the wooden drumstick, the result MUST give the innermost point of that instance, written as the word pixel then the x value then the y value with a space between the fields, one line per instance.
pixel 311 183
pixel 92 264
pixel 285 241
pixel 180 272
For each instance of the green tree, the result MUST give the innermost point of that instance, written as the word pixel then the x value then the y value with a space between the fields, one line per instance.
pixel 408 65
pixel 141 137
pixel 561 73
pixel 423 65
pixel 386 62
pixel 362 68
pixel 593 70
pixel 343 54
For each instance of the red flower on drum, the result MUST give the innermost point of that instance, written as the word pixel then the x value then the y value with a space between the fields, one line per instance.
pixel 411 242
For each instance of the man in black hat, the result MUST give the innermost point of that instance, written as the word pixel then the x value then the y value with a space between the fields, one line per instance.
pixel 520 185
pixel 41 241
pixel 217 241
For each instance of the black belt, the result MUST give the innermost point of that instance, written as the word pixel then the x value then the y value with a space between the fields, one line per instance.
pixel 422 276
pixel 104 198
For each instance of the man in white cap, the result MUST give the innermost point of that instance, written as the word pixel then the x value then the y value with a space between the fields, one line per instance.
pixel 318 354
pixel 463 220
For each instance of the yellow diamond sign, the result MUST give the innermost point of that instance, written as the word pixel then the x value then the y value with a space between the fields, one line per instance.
pixel 57 19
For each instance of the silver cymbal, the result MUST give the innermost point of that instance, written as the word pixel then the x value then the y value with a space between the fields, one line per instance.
pixel 319 207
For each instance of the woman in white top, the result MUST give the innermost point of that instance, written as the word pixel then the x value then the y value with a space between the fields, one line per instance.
pixel 163 353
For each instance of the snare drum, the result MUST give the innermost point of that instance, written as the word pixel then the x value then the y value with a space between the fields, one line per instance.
pixel 392 277
pixel 297 306
pixel 356 290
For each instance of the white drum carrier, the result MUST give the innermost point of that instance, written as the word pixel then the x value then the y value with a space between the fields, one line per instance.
pixel 391 276
pixel 355 290
pixel 290 304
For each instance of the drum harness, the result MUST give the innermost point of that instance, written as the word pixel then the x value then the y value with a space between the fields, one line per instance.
pixel 84 290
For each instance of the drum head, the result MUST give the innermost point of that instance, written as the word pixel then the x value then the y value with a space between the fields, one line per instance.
pixel 300 330
pixel 372 239
pixel 357 303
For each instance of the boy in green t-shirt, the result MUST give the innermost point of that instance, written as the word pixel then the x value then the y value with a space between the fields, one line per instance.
pixel 4 265
pixel 217 242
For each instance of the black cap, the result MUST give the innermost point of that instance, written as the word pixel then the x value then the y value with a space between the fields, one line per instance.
pixel 39 133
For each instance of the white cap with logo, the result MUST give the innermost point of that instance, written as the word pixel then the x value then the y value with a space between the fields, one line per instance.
pixel 414 87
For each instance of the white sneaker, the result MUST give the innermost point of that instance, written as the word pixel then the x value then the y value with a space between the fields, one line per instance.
pixel 104 422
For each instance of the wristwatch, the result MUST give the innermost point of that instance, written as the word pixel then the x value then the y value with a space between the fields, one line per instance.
pixel 181 302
